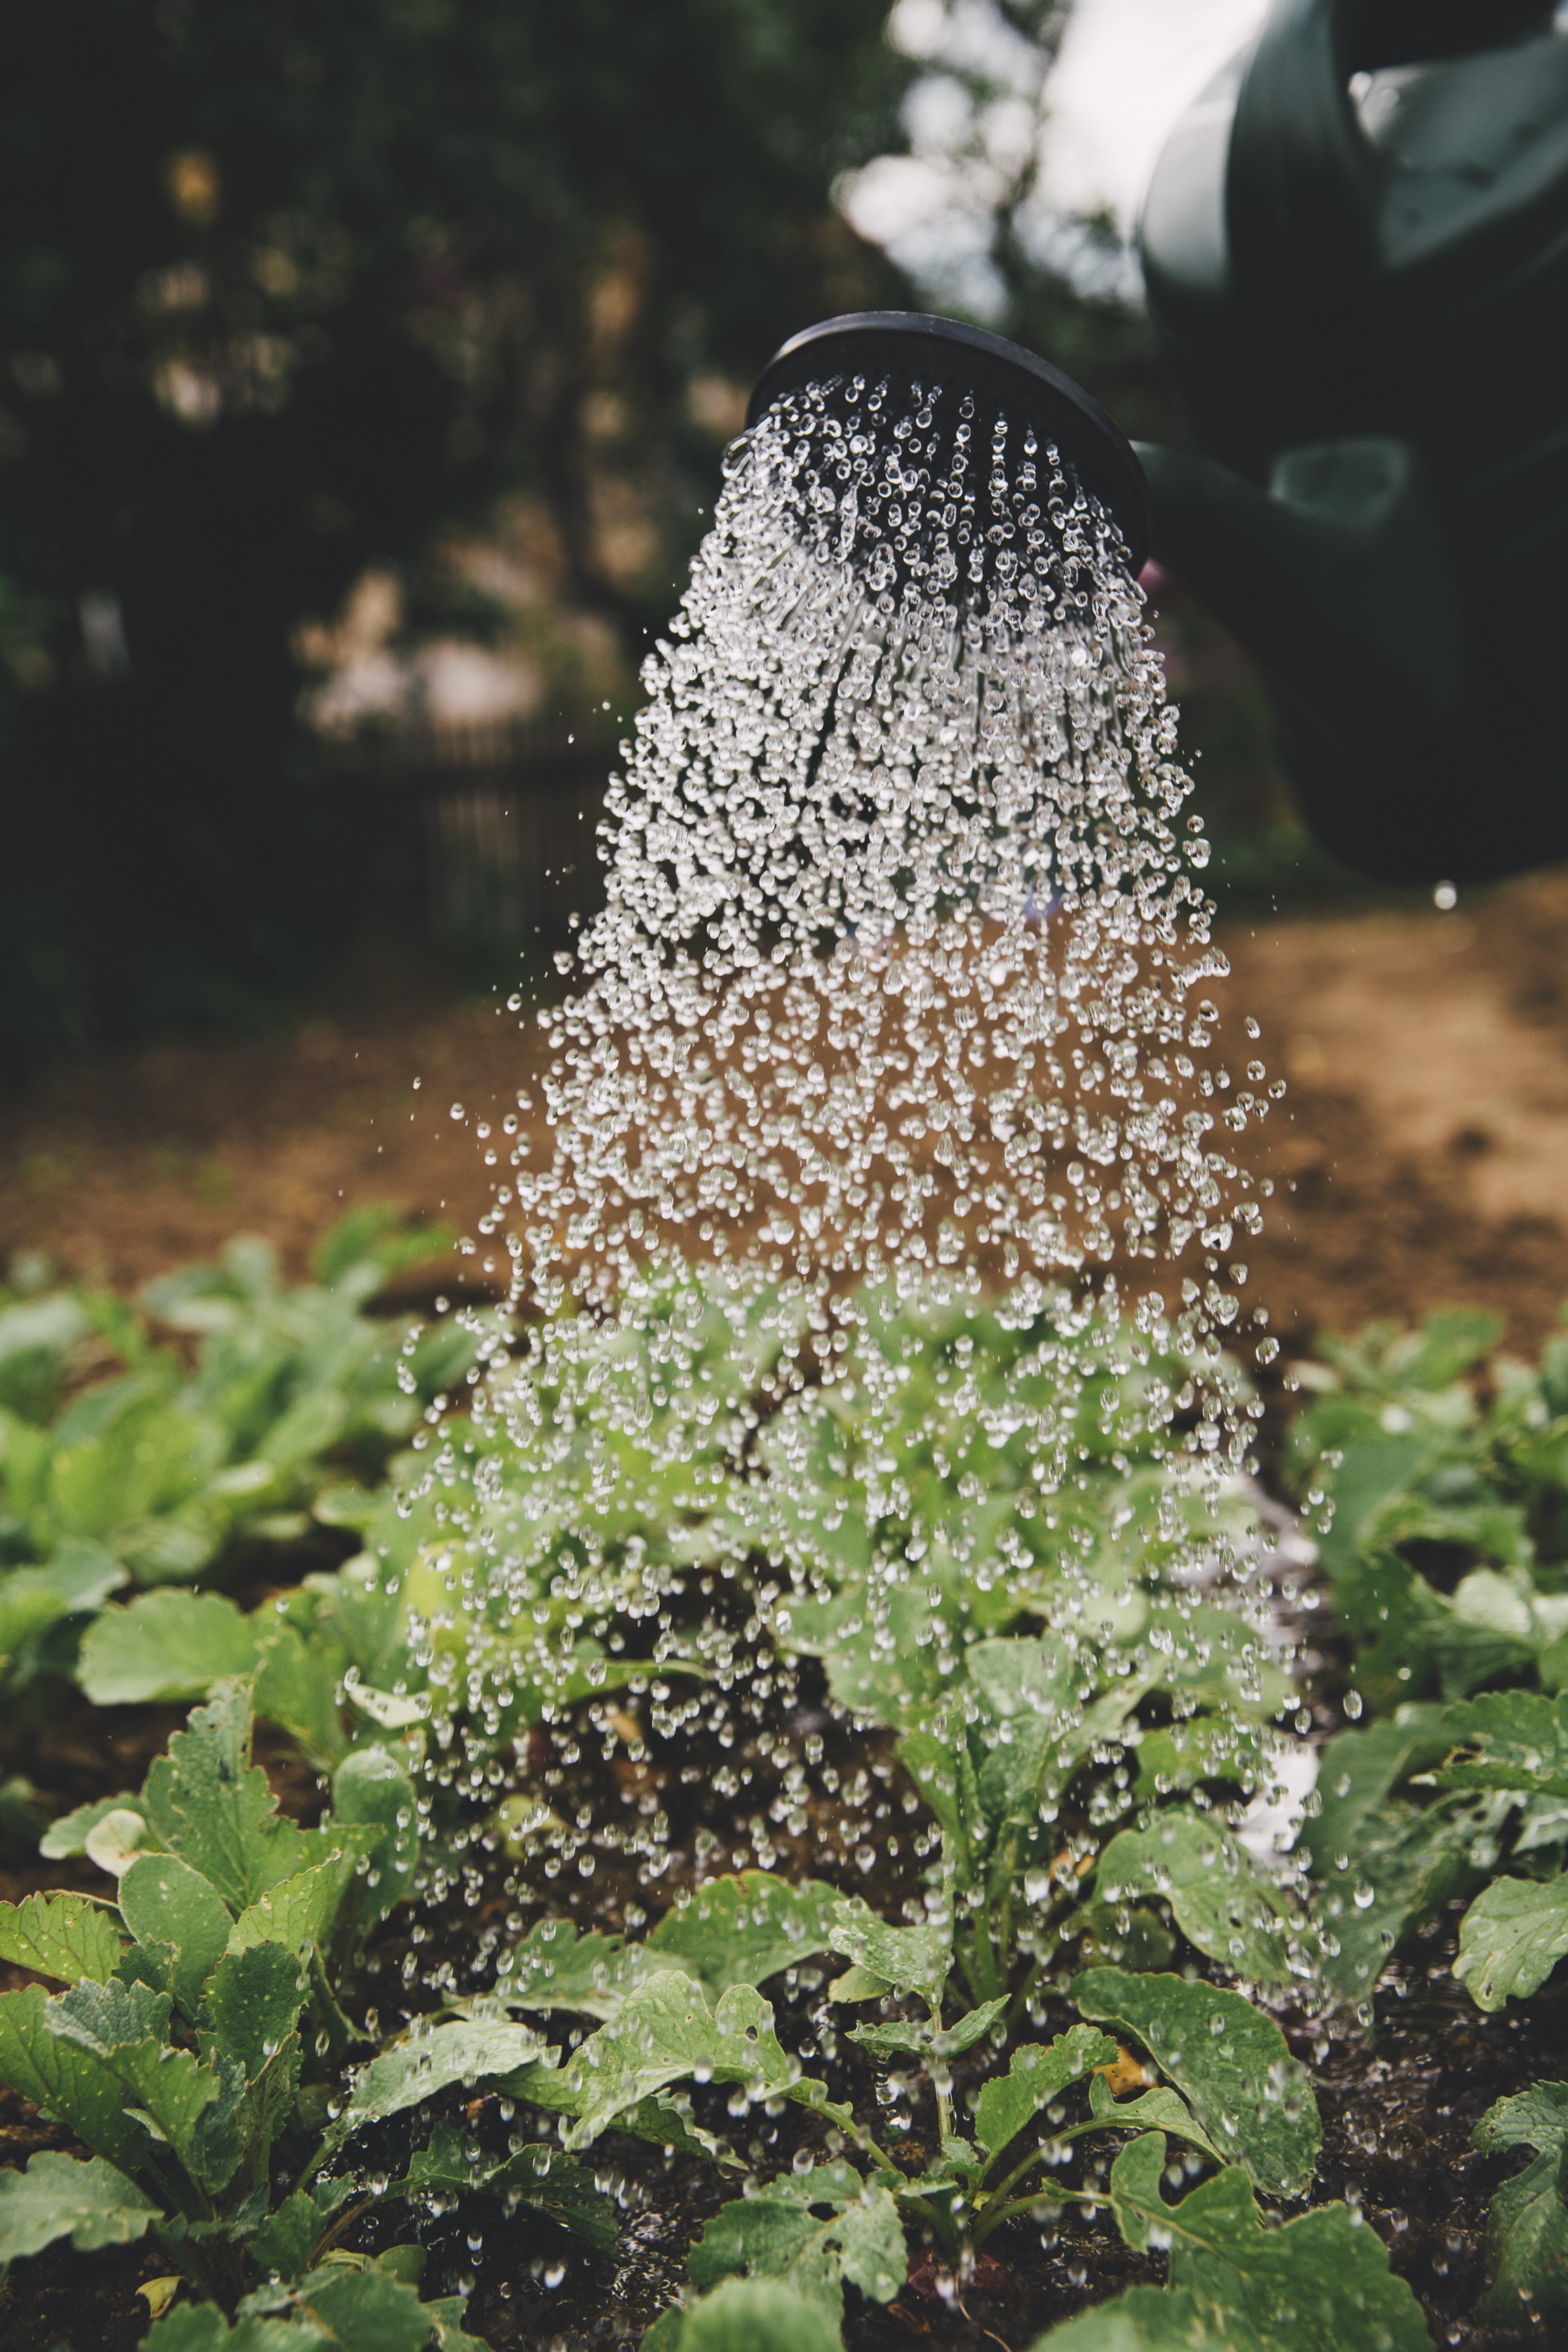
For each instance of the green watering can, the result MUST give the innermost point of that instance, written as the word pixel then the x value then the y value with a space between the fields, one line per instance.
pixel 1355 246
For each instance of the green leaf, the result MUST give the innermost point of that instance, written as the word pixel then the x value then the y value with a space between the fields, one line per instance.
pixel 66 2080
pixel 253 2003
pixel 554 1967
pixel 909 1960
pixel 780 2234
pixel 59 2196
pixel 1511 1938
pixel 164 1900
pixel 665 2032
pixel 543 2178
pixel 1217 1898
pixel 1527 2221
pixel 1037 2073
pixel 1520 1742
pixel 950 2041
pixel 415 2070
pixel 1230 2062
pixel 283 2245
pixel 65 1936
pixel 297 1687
pixel 1359 1772
pixel 201 2327
pixel 1151 2319
pixel 755 2315
pixel 1411 1863
pixel 1157 2110
pixel 371 1790
pixel 298 1912
pixel 69 1835
pixel 125 2027
pixel 365 2311
pixel 210 1804
pixel 1319 2283
pixel 742 1930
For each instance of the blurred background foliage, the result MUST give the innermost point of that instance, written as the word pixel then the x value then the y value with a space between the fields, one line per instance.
pixel 363 375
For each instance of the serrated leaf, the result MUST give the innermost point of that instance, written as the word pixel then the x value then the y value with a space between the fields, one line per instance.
pixel 1229 2061
pixel 1319 2283
pixel 663 2033
pixel 253 2003
pixel 778 2234
pixel 201 2327
pixel 909 1960
pixel 1218 1899
pixel 743 1930
pixel 544 2179
pixel 64 1935
pixel 125 2029
pixel 1511 1938
pixel 164 1645
pixel 1527 2221
pixel 164 1900
pixel 417 2069
pixel 66 2080
pixel 1158 2110
pixel 298 1912
pixel 1037 2074
pixel 754 2316
pixel 211 1805
pixel 948 2041
pixel 93 2204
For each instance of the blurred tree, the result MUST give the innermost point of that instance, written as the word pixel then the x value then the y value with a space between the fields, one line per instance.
pixel 287 290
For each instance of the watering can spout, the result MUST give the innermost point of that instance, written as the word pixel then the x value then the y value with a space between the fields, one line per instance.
pixel 1337 579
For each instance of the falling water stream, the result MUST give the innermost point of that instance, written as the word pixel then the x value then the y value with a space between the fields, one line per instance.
pixel 898 1008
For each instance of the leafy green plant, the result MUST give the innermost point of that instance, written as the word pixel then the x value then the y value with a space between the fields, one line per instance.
pixel 196 2048
pixel 684 2008
pixel 149 1476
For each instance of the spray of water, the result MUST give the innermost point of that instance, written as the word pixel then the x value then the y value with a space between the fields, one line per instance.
pixel 894 1026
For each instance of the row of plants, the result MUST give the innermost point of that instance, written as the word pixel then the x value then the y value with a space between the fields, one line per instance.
pixel 1081 1717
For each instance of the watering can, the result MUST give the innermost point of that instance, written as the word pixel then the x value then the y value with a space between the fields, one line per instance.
pixel 1355 247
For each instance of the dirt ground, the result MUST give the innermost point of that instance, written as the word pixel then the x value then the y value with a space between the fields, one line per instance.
pixel 1420 1155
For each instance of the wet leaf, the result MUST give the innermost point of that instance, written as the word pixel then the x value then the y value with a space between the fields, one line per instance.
pixel 253 2003
pixel 1510 1739
pixel 667 2033
pixel 416 2069
pixel 1152 2319
pixel 1511 1938
pixel 64 1935
pixel 1220 1901
pixel 211 1805
pixel 164 1900
pixel 1036 2075
pixel 1527 2221
pixel 1228 2060
pixel 59 2196
pixel 1319 2283
pixel 554 1966
pixel 920 2034
pixel 909 1960
pixel 66 2080
pixel 781 2234
pixel 371 1790
pixel 742 1930
pixel 545 2178
pixel 1158 2110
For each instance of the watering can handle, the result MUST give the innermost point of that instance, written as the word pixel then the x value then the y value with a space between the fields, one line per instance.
pixel 1304 182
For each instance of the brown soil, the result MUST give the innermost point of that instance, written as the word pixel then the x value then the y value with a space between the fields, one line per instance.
pixel 1420 1155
